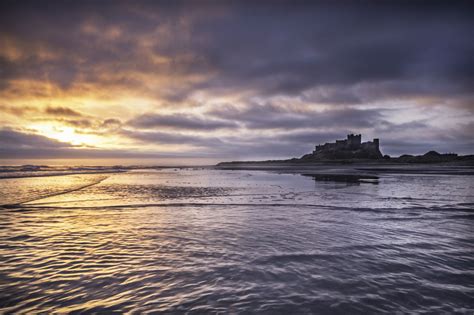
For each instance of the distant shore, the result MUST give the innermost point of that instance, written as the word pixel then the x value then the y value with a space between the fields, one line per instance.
pixel 359 167
pixel 429 158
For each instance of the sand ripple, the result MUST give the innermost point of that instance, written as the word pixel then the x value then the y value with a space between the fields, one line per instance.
pixel 254 254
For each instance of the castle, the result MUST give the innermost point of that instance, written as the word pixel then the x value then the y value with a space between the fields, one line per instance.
pixel 350 148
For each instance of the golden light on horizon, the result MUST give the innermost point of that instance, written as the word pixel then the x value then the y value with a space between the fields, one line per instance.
pixel 66 134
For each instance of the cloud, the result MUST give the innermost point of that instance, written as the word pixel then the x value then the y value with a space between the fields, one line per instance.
pixel 179 121
pixel 111 123
pixel 223 47
pixel 13 139
pixel 17 110
pixel 157 137
pixel 77 123
pixel 269 116
pixel 62 111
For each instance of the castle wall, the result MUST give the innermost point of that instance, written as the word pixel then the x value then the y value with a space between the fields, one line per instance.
pixel 352 147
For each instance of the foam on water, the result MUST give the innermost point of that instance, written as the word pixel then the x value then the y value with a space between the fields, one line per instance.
pixel 236 241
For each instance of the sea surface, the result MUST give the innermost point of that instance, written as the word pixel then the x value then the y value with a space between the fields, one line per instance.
pixel 206 240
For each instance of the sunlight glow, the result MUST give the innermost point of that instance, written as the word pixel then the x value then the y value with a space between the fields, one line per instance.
pixel 66 134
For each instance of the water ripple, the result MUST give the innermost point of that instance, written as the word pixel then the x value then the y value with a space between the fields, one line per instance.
pixel 207 246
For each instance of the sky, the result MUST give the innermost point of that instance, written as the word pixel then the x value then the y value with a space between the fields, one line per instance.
pixel 232 80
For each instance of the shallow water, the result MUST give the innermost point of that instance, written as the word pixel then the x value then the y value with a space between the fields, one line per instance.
pixel 235 242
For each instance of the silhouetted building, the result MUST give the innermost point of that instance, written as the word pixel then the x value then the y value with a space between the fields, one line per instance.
pixel 350 148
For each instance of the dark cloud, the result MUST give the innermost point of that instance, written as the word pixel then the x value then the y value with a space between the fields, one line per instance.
pixel 278 48
pixel 179 121
pixel 62 111
pixel 388 127
pixel 13 139
pixel 290 49
pixel 77 123
pixel 270 116
pixel 157 137
pixel 16 110
pixel 111 123
pixel 59 111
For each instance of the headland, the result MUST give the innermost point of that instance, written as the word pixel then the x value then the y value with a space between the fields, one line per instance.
pixel 351 155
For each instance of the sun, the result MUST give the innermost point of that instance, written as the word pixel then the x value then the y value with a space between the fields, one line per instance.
pixel 66 134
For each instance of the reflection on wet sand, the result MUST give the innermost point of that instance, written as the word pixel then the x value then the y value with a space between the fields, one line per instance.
pixel 344 178
pixel 208 240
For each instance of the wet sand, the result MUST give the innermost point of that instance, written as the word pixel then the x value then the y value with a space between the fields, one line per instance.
pixel 360 169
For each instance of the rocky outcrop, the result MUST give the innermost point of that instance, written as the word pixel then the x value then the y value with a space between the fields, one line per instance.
pixel 430 157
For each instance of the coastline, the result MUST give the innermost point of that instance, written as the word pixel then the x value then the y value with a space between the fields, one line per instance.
pixel 362 168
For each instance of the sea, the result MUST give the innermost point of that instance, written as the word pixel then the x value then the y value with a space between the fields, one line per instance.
pixel 214 241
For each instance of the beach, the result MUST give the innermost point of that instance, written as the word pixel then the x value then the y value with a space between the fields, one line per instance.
pixel 205 240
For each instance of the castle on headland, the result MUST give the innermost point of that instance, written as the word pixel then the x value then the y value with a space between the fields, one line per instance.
pixel 350 148
pixel 353 150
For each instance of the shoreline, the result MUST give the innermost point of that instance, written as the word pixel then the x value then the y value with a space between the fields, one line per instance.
pixel 361 168
pixel 61 174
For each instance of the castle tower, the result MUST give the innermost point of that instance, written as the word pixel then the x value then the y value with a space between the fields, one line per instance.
pixel 354 141
pixel 376 142
pixel 358 140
